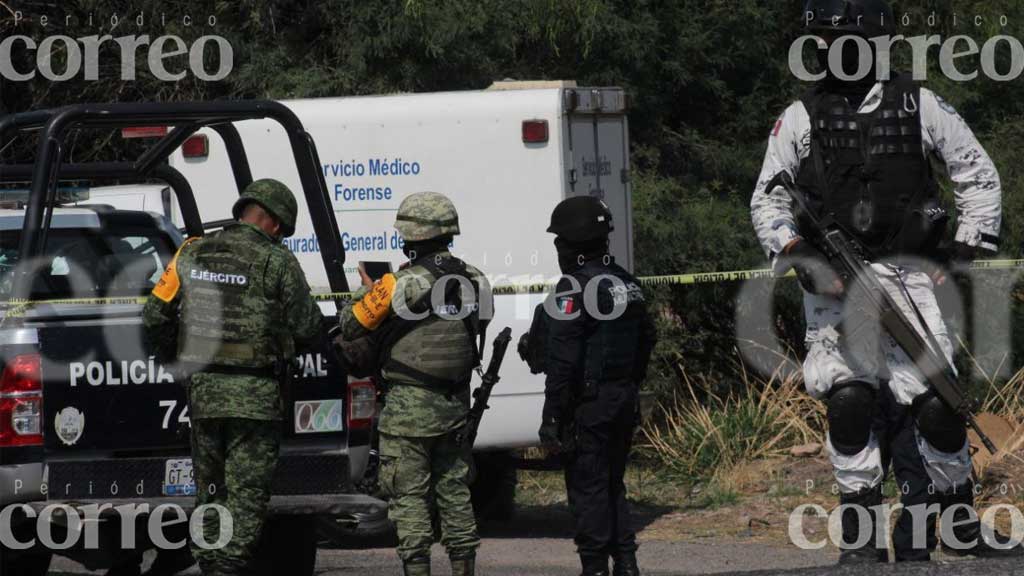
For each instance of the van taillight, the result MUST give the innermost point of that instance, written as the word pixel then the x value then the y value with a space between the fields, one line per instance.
pixel 21 402
pixel 535 131
pixel 197 146
pixel 362 405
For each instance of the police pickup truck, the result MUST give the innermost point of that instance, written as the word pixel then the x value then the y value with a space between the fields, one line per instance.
pixel 94 433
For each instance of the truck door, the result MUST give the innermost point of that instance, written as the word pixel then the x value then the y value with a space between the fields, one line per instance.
pixel 599 159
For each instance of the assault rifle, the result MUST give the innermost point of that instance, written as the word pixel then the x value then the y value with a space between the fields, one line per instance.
pixel 846 256
pixel 482 394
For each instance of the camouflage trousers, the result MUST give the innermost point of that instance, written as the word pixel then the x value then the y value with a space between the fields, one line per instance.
pixel 234 461
pixel 422 476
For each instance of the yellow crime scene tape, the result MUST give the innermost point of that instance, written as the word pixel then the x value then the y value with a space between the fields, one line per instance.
pixel 14 307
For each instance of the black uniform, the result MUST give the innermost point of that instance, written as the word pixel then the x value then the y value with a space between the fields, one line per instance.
pixel 594 367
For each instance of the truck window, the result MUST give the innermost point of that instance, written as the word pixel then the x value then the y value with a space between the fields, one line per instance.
pixel 89 263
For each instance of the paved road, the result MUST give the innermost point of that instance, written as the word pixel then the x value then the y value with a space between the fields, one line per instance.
pixel 538 543
pixel 549 557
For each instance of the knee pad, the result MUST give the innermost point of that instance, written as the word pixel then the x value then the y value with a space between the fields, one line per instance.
pixel 941 427
pixel 851 408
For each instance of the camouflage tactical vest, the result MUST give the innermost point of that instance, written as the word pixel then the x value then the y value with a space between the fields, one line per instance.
pixel 438 351
pixel 228 319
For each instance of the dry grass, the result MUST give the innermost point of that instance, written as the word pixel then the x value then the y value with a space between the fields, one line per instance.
pixel 698 434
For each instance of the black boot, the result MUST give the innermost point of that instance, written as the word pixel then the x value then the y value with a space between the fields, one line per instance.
pixel 170 562
pixel 971 532
pixel 873 551
pixel 594 564
pixel 625 564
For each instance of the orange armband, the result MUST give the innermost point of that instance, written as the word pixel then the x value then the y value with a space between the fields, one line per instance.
pixel 373 308
pixel 167 288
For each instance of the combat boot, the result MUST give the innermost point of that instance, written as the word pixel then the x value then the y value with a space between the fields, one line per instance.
pixel 625 564
pixel 969 531
pixel 464 565
pixel 867 499
pixel 417 567
pixel 594 564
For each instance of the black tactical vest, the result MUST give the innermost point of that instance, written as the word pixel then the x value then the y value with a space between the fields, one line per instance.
pixel 869 174
pixel 611 350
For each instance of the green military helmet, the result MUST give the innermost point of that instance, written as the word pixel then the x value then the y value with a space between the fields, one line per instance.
pixel 425 216
pixel 274 197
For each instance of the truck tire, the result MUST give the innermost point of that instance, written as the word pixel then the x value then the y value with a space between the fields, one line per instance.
pixel 35 563
pixel 32 562
pixel 494 486
pixel 289 547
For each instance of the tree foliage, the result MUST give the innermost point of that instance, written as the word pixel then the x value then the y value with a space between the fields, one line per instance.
pixel 708 79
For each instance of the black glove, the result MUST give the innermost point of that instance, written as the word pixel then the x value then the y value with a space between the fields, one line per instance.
pixel 812 269
pixel 550 436
pixel 551 426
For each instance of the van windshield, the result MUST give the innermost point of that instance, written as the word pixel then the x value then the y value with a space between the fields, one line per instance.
pixel 89 263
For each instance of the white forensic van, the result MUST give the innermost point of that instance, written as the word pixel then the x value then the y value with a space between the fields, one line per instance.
pixel 505 156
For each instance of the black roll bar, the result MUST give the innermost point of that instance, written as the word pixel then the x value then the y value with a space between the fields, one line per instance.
pixel 124 171
pixel 186 118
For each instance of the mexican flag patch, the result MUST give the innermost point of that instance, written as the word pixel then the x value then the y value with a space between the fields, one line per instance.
pixel 566 305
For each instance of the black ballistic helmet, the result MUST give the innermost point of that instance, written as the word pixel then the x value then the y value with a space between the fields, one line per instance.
pixel 867 18
pixel 581 219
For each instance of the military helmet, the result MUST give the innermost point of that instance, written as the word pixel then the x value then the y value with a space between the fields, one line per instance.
pixel 868 18
pixel 275 198
pixel 425 216
pixel 581 219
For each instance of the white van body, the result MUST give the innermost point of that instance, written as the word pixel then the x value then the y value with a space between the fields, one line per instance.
pixel 469 145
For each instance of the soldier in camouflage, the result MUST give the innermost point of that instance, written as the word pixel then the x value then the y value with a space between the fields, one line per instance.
pixel 425 356
pixel 230 307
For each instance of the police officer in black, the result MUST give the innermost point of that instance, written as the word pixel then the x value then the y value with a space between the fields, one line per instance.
pixel 596 341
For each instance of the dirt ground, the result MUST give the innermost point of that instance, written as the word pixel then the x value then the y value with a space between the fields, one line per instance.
pixel 738 524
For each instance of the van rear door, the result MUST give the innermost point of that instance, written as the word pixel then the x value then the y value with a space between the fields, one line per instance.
pixel 599 158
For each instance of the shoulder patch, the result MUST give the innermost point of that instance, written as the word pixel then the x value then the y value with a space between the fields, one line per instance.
pixel 567 304
pixel 167 288
pixel 778 127
pixel 945 106
pixel 373 308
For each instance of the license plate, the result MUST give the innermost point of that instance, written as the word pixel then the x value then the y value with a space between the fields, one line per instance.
pixel 179 479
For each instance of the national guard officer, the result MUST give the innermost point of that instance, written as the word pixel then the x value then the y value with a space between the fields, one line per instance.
pixel 861 150
pixel 595 338
pixel 425 322
pixel 232 305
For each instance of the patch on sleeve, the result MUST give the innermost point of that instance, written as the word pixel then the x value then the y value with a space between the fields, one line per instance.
pixel 778 127
pixel 946 106
pixel 167 288
pixel 375 305
pixel 567 304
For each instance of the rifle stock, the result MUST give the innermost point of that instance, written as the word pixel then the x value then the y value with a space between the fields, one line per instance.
pixel 855 271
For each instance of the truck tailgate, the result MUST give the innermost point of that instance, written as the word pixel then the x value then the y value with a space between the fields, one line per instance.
pixel 115 415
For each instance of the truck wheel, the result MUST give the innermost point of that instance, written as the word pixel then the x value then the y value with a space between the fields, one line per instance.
pixel 31 564
pixel 494 488
pixel 289 547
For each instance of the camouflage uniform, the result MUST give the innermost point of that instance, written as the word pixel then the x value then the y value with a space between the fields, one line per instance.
pixel 422 465
pixel 237 301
